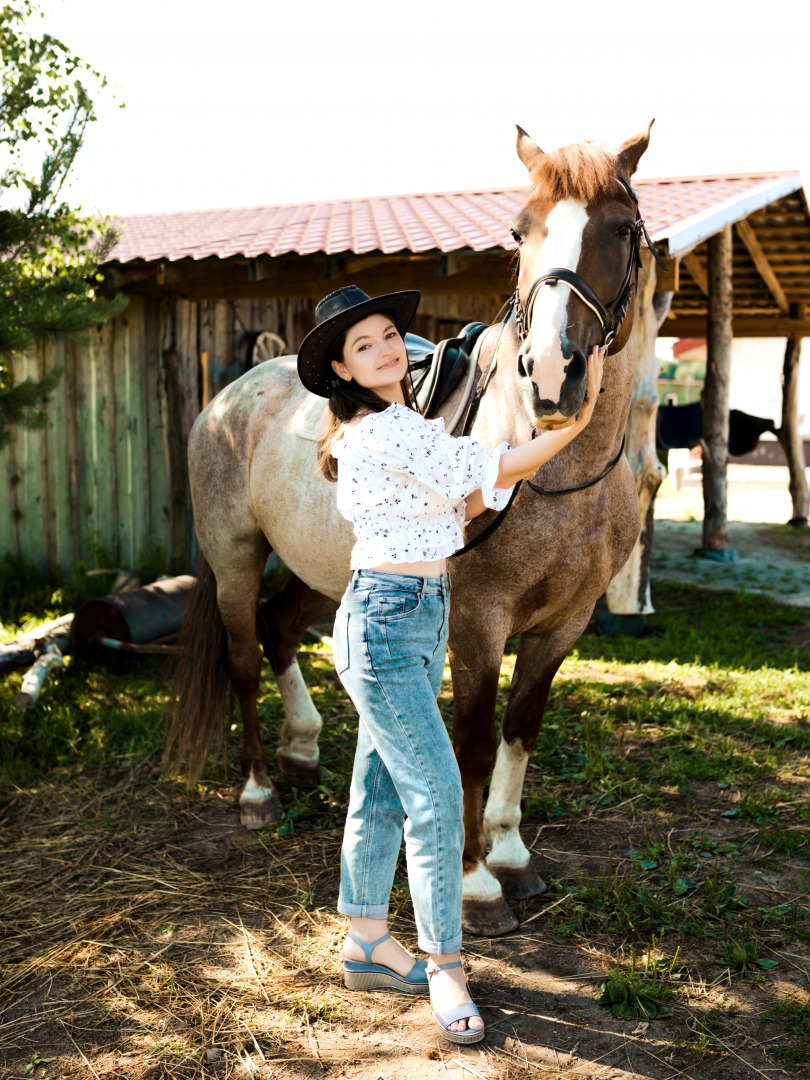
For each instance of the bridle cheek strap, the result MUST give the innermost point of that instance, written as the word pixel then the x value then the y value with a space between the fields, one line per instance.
pixel 611 316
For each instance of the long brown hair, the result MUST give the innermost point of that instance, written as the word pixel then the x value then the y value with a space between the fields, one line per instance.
pixel 346 400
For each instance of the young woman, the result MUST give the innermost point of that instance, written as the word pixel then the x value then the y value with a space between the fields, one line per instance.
pixel 408 488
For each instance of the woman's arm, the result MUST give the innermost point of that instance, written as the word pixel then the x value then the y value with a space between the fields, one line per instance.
pixel 524 461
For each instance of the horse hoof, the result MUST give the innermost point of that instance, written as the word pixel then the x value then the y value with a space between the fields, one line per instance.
pixel 487 916
pixel 301 774
pixel 256 813
pixel 518 883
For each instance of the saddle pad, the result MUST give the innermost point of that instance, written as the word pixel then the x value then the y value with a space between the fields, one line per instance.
pixel 308 418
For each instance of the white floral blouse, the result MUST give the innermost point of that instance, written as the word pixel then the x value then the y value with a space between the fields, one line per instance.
pixel 402 481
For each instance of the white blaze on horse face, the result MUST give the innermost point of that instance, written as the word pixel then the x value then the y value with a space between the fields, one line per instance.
pixel 302 721
pixel 502 815
pixel 542 351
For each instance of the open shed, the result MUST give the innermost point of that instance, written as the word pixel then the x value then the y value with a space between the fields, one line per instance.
pixel 109 472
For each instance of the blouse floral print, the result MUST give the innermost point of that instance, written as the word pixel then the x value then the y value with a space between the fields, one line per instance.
pixel 402 482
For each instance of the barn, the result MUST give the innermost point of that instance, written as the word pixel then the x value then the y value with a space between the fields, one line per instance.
pixel 212 292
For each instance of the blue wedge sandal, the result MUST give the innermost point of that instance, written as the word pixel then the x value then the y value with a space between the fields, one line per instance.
pixel 462 1012
pixel 366 975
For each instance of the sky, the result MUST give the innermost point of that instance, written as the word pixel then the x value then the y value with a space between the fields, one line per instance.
pixel 255 102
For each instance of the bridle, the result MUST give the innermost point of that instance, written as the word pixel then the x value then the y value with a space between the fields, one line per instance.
pixel 610 315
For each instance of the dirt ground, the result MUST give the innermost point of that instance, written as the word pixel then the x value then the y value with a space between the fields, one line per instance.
pixel 147 935
pixel 178 937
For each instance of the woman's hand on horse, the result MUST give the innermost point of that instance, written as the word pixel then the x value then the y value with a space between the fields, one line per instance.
pixel 524 461
pixel 596 365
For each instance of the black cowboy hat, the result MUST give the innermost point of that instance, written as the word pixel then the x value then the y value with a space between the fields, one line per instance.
pixel 334 315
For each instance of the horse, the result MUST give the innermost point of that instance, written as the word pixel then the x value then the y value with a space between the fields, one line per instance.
pixel 256 488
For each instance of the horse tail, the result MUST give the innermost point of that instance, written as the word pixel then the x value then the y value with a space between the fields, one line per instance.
pixel 200 683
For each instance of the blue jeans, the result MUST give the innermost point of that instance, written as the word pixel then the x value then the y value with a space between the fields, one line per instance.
pixel 390 638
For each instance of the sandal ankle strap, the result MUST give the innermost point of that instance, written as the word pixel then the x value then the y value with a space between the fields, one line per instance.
pixel 367 946
pixel 431 967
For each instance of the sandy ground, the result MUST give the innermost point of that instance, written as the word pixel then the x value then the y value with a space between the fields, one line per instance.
pixel 757 499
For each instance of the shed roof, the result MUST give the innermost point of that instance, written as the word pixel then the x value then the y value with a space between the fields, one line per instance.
pixel 680 212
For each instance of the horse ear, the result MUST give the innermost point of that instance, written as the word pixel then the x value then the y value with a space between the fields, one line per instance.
pixel 629 153
pixel 528 150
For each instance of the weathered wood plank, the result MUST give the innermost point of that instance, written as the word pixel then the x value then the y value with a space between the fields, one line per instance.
pixel 751 326
pixel 29 448
pixel 175 441
pixel 696 271
pixel 760 259
pixel 56 464
pixel 160 508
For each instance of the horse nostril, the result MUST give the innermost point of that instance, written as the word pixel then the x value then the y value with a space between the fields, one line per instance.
pixel 520 367
pixel 577 367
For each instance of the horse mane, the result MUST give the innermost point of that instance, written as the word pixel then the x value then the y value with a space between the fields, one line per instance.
pixel 582 170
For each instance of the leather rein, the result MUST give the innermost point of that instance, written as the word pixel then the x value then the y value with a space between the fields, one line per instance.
pixel 610 316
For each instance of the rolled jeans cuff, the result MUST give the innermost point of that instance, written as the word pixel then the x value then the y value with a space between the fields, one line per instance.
pixel 363 911
pixel 438 948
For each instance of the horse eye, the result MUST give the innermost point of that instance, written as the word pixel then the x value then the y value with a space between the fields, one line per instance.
pixel 516 236
pixel 625 230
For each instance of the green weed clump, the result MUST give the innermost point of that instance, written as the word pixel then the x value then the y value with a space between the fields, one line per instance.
pixel 643 990
pixel 745 958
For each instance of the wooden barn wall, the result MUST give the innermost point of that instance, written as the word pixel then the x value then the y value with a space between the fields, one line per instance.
pixel 108 472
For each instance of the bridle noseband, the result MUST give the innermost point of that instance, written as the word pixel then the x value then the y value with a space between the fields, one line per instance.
pixel 611 315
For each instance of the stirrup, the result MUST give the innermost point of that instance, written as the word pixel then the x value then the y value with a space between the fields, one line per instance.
pixel 366 975
pixel 461 1012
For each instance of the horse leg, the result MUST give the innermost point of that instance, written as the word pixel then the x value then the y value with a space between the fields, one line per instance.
pixel 237 592
pixel 484 912
pixel 282 621
pixel 538 660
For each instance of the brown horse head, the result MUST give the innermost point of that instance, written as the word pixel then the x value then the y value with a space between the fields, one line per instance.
pixel 578 216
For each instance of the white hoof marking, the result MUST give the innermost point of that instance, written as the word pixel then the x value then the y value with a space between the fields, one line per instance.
pixel 502 815
pixel 302 724
pixel 479 884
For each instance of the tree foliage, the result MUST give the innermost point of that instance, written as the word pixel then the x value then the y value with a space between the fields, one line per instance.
pixel 49 253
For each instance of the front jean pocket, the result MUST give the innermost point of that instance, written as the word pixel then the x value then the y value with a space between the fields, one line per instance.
pixel 388 607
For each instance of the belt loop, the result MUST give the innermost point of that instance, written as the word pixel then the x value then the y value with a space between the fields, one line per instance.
pixel 423 590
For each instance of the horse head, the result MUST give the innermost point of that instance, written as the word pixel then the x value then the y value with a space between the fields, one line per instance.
pixel 580 217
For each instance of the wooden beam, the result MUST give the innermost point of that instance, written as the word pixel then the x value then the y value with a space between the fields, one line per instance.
pixel 748 237
pixel 789 434
pixel 715 396
pixel 668 280
pixel 691 263
pixel 752 327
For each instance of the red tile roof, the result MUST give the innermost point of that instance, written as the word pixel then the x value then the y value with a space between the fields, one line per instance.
pixel 678 209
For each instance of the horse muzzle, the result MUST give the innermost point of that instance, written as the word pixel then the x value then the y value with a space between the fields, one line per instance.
pixel 553 386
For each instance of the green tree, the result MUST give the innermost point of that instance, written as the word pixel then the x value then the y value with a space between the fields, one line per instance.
pixel 49 253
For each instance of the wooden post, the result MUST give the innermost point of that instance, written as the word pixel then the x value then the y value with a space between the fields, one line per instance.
pixel 788 433
pixel 715 396
pixel 629 591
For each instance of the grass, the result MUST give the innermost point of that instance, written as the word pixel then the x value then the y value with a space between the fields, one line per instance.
pixel 793 1017
pixel 670 786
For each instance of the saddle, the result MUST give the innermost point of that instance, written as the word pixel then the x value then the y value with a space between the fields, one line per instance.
pixel 442 375
pixel 436 370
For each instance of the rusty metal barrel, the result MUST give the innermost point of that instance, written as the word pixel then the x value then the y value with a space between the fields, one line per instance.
pixel 143 620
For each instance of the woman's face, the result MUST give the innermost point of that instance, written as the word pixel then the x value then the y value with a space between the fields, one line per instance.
pixel 374 354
